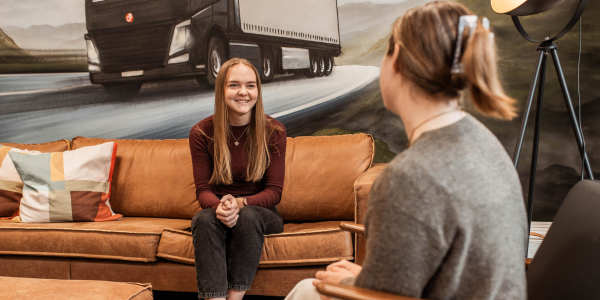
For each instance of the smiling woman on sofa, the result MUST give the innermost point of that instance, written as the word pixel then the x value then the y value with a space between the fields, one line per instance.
pixel 238 157
pixel 446 217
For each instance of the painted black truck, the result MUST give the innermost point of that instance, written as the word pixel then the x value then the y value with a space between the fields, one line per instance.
pixel 132 41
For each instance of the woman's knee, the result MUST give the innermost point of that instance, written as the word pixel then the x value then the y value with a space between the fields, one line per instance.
pixel 250 217
pixel 204 218
pixel 308 282
pixel 304 290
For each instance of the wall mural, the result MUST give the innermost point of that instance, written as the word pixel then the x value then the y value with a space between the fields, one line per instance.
pixel 320 58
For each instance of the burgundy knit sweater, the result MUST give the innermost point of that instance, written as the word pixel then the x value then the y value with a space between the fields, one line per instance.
pixel 265 193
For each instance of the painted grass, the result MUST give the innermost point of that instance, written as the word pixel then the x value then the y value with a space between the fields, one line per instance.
pixel 382 150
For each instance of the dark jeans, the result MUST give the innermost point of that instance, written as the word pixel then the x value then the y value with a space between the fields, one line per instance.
pixel 227 258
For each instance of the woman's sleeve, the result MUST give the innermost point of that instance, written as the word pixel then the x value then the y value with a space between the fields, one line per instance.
pixel 274 175
pixel 403 249
pixel 202 166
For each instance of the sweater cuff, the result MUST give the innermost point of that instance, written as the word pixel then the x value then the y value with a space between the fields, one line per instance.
pixel 208 199
pixel 348 281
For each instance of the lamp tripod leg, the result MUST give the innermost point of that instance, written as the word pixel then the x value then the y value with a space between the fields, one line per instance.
pixel 536 143
pixel 538 74
pixel 572 116
pixel 534 81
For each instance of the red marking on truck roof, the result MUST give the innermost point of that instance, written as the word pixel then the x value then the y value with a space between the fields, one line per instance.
pixel 129 17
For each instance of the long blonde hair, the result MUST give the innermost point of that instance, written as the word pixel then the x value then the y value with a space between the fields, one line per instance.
pixel 427 36
pixel 258 132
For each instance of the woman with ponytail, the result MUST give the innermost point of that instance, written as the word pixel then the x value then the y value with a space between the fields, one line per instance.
pixel 238 158
pixel 446 217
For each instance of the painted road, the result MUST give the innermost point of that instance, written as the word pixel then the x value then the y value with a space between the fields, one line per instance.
pixel 48 108
pixel 37 83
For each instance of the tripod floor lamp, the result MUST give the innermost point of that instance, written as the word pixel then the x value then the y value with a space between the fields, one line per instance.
pixel 517 8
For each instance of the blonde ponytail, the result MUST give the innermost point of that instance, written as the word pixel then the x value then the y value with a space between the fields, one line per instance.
pixel 479 65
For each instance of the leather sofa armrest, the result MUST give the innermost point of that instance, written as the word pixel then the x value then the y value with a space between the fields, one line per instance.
pixel 355 293
pixel 362 188
pixel 527 263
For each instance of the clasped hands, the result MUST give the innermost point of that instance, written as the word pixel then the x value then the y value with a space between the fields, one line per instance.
pixel 228 210
pixel 335 272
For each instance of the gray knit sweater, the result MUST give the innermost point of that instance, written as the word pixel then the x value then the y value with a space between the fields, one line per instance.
pixel 446 219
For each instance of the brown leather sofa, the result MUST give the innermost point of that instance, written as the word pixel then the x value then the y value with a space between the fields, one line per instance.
pixel 327 181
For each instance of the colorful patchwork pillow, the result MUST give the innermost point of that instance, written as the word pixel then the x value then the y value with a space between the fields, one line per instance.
pixel 11 186
pixel 67 186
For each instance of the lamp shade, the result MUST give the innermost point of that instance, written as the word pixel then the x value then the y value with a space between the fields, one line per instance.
pixel 523 7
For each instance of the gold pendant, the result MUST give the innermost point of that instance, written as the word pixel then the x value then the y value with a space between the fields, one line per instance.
pixel 237 143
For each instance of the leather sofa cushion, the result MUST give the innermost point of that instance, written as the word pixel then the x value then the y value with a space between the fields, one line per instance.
pixel 132 239
pixel 303 244
pixel 152 178
pixel 319 176
pixel 55 289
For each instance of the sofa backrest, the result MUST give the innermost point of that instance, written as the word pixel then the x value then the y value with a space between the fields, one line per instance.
pixel 56 146
pixel 320 174
pixel 154 178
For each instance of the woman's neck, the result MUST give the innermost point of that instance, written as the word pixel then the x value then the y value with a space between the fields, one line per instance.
pixel 424 113
pixel 239 120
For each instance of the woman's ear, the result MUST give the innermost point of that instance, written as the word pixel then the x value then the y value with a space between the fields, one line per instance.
pixel 395 56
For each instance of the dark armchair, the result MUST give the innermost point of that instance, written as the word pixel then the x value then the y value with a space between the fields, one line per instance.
pixel 567 264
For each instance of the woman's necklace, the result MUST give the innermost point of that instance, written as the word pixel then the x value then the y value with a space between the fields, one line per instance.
pixel 412 132
pixel 236 140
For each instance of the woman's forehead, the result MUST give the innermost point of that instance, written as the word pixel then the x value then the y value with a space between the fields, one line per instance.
pixel 241 72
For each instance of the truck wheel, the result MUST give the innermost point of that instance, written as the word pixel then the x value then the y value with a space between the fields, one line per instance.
pixel 328 65
pixel 322 66
pixel 214 60
pixel 313 70
pixel 201 80
pixel 122 91
pixel 268 67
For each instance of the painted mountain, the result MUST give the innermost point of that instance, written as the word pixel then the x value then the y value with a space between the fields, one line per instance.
pixel 9 51
pixel 46 37
pixel 364 29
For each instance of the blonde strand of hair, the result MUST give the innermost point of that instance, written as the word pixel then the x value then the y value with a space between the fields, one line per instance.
pixel 479 62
